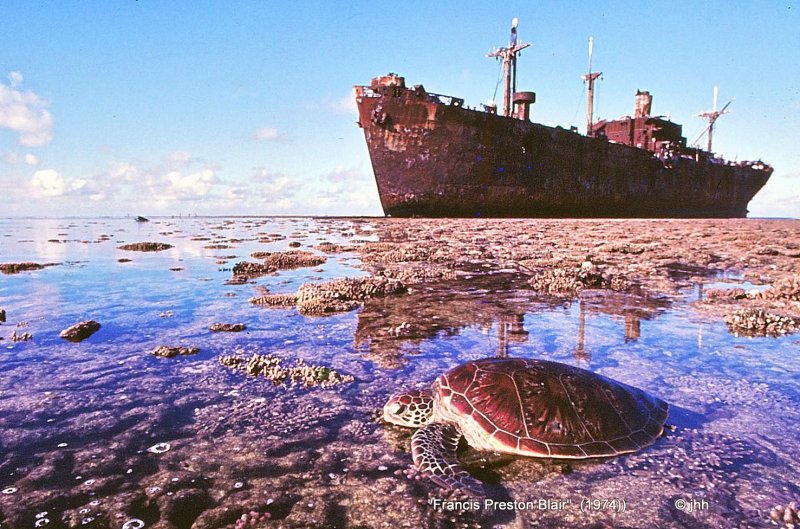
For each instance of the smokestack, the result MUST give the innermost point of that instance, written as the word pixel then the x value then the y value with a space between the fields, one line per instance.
pixel 644 101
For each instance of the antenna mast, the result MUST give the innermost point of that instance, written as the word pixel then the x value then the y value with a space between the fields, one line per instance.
pixel 509 57
pixel 590 78
pixel 714 115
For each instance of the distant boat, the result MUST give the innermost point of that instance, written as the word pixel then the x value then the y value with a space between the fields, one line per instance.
pixel 434 157
pixel 141 219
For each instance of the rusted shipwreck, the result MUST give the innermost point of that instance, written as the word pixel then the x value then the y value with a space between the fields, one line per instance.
pixel 434 157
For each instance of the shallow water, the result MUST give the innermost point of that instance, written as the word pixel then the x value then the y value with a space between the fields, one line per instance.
pixel 77 419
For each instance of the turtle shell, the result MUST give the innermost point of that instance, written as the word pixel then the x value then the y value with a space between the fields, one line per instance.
pixel 546 409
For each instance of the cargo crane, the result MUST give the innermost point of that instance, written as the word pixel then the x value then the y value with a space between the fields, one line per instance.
pixel 509 57
pixel 712 117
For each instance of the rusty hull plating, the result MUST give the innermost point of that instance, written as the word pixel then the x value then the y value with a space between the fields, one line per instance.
pixel 434 157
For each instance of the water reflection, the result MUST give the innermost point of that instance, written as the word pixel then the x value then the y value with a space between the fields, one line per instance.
pixel 390 329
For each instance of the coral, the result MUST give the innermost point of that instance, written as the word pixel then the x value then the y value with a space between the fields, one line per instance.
pixel 784 288
pixel 570 281
pixel 272 368
pixel 252 519
pixel 245 269
pixel 227 327
pixel 275 300
pixel 288 260
pixel 329 247
pixel 750 322
pixel 344 294
pixel 725 293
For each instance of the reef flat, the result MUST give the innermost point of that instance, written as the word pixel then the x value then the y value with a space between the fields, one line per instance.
pixel 104 433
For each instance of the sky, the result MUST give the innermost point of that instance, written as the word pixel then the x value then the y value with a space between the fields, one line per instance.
pixel 246 107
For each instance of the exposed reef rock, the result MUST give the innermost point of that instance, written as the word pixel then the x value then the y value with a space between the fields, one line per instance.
pixel 275 300
pixel 339 295
pixel 344 294
pixel 15 268
pixel 288 260
pixel 329 247
pixel 80 331
pixel 271 368
pixel 247 270
pixel 570 281
pixel 169 352
pixel 145 246
pixel 787 288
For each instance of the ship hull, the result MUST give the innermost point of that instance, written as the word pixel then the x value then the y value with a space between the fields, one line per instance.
pixel 439 160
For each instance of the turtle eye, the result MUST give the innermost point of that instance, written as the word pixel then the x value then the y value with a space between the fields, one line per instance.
pixel 398 409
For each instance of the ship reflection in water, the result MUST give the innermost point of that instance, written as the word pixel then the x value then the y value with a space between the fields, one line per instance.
pixel 502 307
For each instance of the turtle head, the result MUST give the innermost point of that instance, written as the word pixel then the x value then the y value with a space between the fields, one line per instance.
pixel 411 408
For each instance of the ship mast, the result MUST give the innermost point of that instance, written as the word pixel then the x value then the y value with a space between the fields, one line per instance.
pixel 713 116
pixel 590 78
pixel 509 57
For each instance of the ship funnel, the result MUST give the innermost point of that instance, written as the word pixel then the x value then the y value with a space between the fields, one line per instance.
pixel 522 104
pixel 644 102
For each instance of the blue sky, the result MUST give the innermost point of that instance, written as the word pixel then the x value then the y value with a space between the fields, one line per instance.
pixel 160 108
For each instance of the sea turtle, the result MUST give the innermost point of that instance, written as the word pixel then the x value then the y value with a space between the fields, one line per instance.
pixel 533 408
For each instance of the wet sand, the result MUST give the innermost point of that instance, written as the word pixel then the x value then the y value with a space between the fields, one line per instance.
pixel 100 433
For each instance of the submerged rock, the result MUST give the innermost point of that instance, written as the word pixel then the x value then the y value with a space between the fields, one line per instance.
pixel 271 367
pixel 80 331
pixel 145 246
pixel 2 315
pixel 227 327
pixel 169 352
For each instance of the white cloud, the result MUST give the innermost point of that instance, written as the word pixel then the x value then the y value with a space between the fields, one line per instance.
pixel 123 172
pixel 15 78
pixel 25 113
pixel 16 158
pixel 266 133
pixel 49 183
pixel 194 185
pixel 178 159
pixel 345 105
pixel 343 174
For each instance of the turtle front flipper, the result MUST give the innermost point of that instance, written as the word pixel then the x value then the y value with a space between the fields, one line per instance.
pixel 433 448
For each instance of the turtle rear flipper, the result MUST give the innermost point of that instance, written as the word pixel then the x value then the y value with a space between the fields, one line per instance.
pixel 433 448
